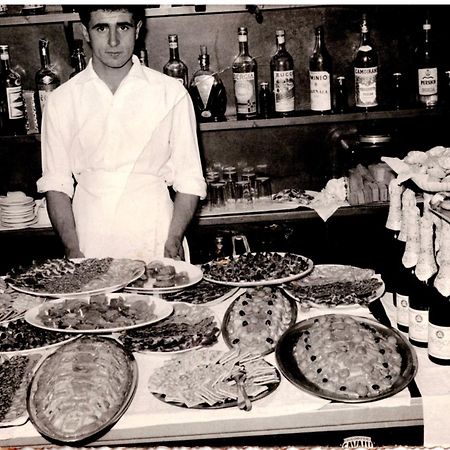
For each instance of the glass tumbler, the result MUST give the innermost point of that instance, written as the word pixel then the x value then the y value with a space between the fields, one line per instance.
pixel 263 188
pixel 244 192
pixel 217 195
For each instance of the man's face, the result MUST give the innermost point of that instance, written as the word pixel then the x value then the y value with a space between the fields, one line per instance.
pixel 112 35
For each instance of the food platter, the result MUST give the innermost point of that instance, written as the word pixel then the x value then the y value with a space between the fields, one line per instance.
pixel 150 310
pixel 203 293
pixel 117 274
pixel 194 273
pixel 289 367
pixel 257 269
pixel 189 327
pixel 91 381
pixel 336 286
pixel 257 318
pixel 206 379
pixel 19 337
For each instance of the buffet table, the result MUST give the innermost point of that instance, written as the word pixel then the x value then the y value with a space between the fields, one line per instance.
pixel 288 411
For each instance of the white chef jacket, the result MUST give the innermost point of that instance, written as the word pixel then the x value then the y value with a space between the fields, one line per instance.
pixel 115 154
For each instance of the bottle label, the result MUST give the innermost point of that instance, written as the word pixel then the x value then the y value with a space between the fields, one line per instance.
pixel 418 325
pixel 284 90
pixel 428 81
pixel 439 341
pixel 366 86
pixel 16 108
pixel 204 84
pixel 402 310
pixel 245 92
pixel 319 82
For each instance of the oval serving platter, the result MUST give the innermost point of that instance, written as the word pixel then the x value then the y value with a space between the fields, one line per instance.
pixel 99 359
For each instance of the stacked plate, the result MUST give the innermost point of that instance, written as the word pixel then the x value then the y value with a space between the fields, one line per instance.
pixel 17 211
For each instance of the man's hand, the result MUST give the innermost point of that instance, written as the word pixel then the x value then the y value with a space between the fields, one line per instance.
pixel 173 248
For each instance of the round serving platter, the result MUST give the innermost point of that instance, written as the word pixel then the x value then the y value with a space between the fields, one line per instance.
pixel 162 309
pixel 245 282
pixel 289 368
pixel 194 273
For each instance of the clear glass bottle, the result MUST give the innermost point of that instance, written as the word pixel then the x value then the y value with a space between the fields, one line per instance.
pixel 365 67
pixel 46 78
pixel 245 79
pixel 78 58
pixel 175 67
pixel 12 107
pixel 320 75
pixel 207 91
pixel 427 70
pixel 282 75
pixel 439 329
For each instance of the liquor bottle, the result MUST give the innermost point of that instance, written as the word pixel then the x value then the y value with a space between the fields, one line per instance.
pixel 320 75
pixel 365 67
pixel 265 98
pixel 282 74
pixel 46 78
pixel 78 58
pixel 175 67
pixel 402 286
pixel 143 56
pixel 12 108
pixel 398 95
pixel 245 79
pixel 419 306
pixel 439 329
pixel 207 91
pixel 427 71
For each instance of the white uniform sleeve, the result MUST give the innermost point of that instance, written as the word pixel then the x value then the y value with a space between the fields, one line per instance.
pixel 56 169
pixel 185 157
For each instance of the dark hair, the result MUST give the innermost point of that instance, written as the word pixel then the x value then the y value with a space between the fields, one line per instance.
pixel 85 10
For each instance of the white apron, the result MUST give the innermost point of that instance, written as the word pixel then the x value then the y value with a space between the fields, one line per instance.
pixel 122 215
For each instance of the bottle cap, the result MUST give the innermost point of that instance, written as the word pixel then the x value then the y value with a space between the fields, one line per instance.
pixel 242 30
pixel 264 84
pixel 173 37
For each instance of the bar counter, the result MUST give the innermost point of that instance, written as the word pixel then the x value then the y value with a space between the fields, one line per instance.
pixel 286 415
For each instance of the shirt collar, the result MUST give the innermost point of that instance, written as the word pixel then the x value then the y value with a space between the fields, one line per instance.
pixel 136 71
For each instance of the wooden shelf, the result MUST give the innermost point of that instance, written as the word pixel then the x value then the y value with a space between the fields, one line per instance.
pixel 159 11
pixel 308 119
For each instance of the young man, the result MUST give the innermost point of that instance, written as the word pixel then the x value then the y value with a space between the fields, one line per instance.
pixel 114 138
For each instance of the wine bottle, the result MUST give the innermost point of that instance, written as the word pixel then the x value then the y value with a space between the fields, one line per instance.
pixel 427 70
pixel 402 286
pixel 439 329
pixel 265 98
pixel 366 71
pixel 46 78
pixel 419 306
pixel 245 79
pixel 207 91
pixel 282 75
pixel 78 58
pixel 12 108
pixel 175 67
pixel 320 75
pixel 341 96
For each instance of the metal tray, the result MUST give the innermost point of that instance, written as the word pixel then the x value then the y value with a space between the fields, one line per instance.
pixel 82 437
pixel 289 368
pixel 226 318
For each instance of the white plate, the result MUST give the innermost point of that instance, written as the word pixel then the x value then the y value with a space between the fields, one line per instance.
pixel 195 275
pixel 19 225
pixel 136 274
pixel 162 310
pixel 266 282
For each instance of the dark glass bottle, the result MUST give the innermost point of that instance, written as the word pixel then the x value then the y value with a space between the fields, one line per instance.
pixel 12 108
pixel 419 306
pixel 143 56
pixel 439 329
pixel 282 76
pixel 427 70
pixel 207 91
pixel 175 67
pixel 78 58
pixel 402 287
pixel 341 96
pixel 446 88
pixel 265 101
pixel 320 75
pixel 365 67
pixel 398 95
pixel 46 78
pixel 245 79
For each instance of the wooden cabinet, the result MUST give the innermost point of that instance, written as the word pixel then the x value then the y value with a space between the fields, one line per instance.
pixel 299 151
